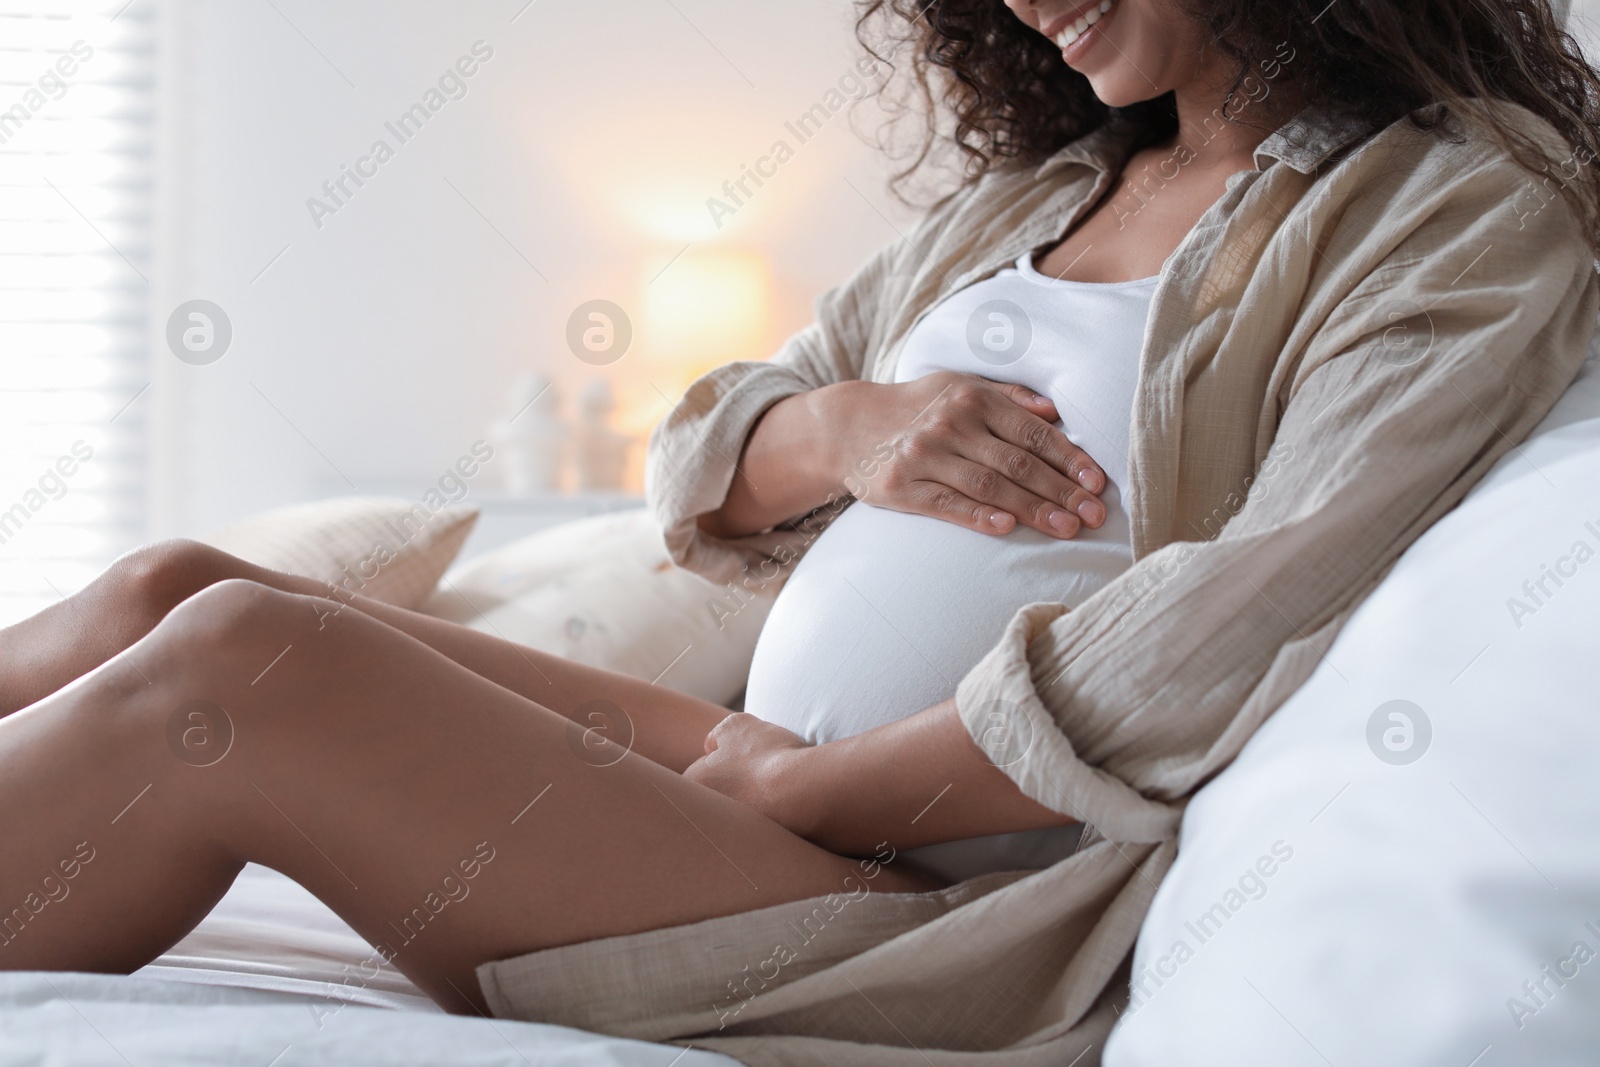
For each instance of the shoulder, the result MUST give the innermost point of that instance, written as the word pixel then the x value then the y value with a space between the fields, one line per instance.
pixel 1439 235
pixel 1464 157
pixel 1430 187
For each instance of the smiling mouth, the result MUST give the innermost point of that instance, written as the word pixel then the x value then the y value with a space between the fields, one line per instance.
pixel 1079 26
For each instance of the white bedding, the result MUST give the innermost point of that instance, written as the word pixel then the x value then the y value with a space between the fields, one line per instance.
pixel 263 981
pixel 1359 888
pixel 269 933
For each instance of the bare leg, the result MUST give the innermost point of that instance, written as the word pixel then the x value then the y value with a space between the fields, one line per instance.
pixel 69 639
pixel 367 767
pixel 44 653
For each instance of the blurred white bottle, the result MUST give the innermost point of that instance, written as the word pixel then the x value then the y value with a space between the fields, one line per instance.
pixel 600 453
pixel 531 437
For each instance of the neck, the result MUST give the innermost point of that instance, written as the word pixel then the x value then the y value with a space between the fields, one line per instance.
pixel 1223 130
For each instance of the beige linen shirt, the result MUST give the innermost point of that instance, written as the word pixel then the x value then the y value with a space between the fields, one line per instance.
pixel 1346 341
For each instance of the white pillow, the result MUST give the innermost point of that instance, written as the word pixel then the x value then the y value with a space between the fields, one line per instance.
pixel 1399 908
pixel 602 591
pixel 390 550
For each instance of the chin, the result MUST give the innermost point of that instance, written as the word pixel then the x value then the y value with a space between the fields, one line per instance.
pixel 1122 88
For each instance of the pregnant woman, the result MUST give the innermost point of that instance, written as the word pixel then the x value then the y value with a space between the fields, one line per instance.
pixel 1235 301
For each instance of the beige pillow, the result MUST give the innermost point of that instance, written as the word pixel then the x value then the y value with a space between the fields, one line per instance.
pixel 390 550
pixel 602 591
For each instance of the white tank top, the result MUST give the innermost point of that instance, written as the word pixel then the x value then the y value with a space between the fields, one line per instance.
pixel 888 611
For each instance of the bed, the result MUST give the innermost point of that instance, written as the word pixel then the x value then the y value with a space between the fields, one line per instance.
pixel 271 978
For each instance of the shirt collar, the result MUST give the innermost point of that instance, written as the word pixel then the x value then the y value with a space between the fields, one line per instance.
pixel 1310 139
pixel 1305 142
pixel 1102 149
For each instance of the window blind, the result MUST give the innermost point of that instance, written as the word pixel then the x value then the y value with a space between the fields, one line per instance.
pixel 76 96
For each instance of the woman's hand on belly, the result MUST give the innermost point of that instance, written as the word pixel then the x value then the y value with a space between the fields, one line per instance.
pixel 919 781
pixel 977 453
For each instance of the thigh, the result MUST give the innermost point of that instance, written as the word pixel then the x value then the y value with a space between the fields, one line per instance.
pixel 45 653
pixel 449 820
pixel 660 724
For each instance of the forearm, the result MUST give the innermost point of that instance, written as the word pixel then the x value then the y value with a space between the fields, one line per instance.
pixel 919 781
pixel 789 466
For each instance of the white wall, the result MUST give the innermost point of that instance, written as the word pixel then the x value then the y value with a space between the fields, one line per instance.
pixel 387 339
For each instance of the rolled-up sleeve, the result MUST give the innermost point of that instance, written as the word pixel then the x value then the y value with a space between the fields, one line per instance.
pixel 694 451
pixel 1115 710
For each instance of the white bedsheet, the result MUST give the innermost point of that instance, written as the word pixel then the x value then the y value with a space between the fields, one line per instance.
pixel 271 978
pixel 268 933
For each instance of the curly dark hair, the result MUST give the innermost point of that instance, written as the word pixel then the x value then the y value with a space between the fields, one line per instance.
pixel 998 91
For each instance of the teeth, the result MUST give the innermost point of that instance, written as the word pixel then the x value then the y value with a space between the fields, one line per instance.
pixel 1081 26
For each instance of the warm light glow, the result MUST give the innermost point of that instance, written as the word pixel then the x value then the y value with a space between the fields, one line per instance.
pixel 707 308
pixel 636 172
pixel 670 210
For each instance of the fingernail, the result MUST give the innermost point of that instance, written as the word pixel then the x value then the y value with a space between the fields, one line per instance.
pixel 1093 481
pixel 1060 520
pixel 1000 519
pixel 1092 512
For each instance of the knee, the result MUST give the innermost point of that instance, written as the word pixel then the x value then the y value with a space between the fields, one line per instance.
pixel 211 644
pixel 160 576
pixel 235 621
pixel 233 604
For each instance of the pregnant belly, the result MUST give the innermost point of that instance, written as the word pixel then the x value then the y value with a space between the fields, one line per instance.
pixel 888 611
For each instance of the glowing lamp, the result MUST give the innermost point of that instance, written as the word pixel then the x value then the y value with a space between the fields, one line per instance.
pixel 706 308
